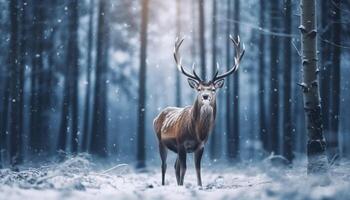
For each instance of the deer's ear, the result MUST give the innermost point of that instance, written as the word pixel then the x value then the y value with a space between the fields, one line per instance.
pixel 219 83
pixel 193 83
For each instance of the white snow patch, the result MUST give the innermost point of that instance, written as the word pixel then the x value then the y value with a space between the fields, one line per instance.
pixel 77 178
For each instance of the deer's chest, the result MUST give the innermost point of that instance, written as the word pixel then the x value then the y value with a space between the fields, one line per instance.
pixel 191 143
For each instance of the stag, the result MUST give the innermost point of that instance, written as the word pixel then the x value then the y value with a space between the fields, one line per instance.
pixel 186 130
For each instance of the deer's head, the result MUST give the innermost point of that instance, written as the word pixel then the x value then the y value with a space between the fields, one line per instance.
pixel 207 89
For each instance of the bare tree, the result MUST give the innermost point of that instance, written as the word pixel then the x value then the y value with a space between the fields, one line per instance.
pixel 229 135
pixel 4 115
pixel 262 65
pixel 214 62
pixel 37 98
pixel 178 32
pixel 325 69
pixel 141 154
pixel 316 146
pixel 333 143
pixel 73 51
pixel 287 76
pixel 236 115
pixel 202 39
pixel 274 82
pixel 98 145
pixel 70 99
pixel 15 135
pixel 86 128
pixel 21 78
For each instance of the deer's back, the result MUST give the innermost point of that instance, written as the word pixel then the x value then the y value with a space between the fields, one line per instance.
pixel 170 122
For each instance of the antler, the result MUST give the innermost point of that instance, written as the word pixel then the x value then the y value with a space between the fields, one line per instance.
pixel 178 61
pixel 238 57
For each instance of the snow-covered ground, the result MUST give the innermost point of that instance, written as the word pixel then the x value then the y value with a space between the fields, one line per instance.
pixel 78 178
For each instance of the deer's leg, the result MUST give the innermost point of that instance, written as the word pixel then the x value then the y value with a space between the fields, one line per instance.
pixel 163 155
pixel 197 160
pixel 177 170
pixel 182 159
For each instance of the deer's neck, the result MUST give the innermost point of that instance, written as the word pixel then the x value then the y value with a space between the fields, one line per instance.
pixel 203 118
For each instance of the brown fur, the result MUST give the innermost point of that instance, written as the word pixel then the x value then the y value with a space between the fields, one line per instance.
pixel 193 122
pixel 184 130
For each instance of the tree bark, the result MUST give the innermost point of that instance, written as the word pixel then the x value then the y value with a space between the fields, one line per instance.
pixel 177 74
pixel 98 145
pixel 325 78
pixel 194 32
pixel 73 56
pixel 229 134
pixel 333 143
pixel 37 118
pixel 287 76
pixel 236 115
pixel 274 80
pixel 15 134
pixel 262 65
pixel 70 99
pixel 214 58
pixel 86 128
pixel 316 145
pixel 202 39
pixel 141 151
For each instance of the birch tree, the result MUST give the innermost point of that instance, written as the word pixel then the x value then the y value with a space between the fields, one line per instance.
pixel 316 145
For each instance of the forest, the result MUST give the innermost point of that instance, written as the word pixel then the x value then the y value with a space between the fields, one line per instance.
pixel 84 84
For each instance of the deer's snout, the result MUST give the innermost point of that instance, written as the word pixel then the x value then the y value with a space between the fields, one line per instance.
pixel 206 97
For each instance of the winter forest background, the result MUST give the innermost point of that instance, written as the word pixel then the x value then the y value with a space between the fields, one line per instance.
pixel 70 76
pixel 91 75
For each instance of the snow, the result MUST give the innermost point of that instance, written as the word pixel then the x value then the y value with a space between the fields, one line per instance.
pixel 80 178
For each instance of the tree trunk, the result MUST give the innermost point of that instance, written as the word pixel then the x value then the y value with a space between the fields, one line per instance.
pixel 15 127
pixel 98 145
pixel 214 55
pixel 236 115
pixel 287 76
pixel 73 56
pixel 274 82
pixel 86 129
pixel 22 63
pixel 194 33
pixel 62 137
pixel 229 135
pixel 177 74
pixel 70 101
pixel 202 39
pixel 316 145
pixel 325 78
pixel 333 143
pixel 37 120
pixel 141 151
pixel 43 77
pixel 262 103
pixel 33 125
pixel 4 113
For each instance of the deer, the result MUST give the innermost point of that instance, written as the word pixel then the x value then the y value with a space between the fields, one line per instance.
pixel 186 130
